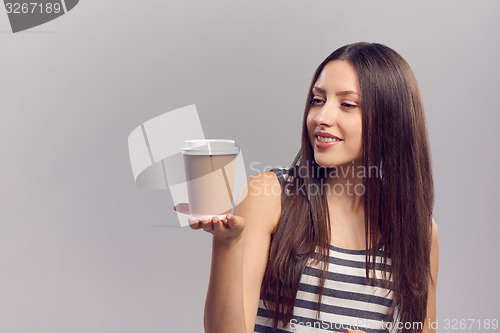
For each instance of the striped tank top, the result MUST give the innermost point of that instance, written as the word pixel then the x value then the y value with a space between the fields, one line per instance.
pixel 348 301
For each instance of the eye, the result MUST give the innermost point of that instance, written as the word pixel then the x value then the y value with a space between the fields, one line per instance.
pixel 317 101
pixel 348 105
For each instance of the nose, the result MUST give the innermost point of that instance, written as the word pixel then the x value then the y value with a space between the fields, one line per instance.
pixel 327 115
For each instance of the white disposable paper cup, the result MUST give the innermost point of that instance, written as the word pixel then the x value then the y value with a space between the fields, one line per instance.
pixel 209 166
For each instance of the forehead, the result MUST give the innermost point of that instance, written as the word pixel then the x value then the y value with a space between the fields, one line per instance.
pixel 338 75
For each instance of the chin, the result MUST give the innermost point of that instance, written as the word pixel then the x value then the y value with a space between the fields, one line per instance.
pixel 327 164
pixel 330 163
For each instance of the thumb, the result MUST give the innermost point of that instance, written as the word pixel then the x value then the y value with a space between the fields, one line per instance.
pixel 234 221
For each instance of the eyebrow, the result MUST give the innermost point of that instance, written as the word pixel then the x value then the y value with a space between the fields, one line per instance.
pixel 340 93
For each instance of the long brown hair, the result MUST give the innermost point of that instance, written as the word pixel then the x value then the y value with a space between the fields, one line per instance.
pixel 398 205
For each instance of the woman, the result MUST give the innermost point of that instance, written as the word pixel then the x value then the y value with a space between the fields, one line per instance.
pixel 297 261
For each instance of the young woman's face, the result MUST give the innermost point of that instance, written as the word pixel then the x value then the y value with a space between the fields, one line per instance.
pixel 334 117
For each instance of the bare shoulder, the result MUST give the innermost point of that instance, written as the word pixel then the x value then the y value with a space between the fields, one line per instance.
pixel 434 251
pixel 435 233
pixel 434 229
pixel 260 199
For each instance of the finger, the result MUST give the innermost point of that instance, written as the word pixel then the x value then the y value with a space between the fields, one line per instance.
pixel 218 225
pixel 195 226
pixel 194 223
pixel 233 221
pixel 182 208
pixel 207 225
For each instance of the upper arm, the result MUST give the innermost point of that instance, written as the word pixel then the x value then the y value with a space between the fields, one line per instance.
pixel 431 300
pixel 261 209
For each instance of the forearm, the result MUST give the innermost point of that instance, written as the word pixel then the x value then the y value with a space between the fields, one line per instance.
pixel 224 306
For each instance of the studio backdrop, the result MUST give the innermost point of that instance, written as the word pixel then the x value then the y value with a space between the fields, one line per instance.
pixel 84 249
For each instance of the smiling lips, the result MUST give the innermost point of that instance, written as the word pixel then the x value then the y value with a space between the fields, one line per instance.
pixel 326 140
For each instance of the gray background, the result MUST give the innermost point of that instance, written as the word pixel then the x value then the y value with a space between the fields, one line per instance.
pixel 82 249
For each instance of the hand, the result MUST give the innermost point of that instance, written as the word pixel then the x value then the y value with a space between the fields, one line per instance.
pixel 229 228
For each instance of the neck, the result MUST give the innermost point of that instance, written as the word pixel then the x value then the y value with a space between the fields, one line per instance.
pixel 344 186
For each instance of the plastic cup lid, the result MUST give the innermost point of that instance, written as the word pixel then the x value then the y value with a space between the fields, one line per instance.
pixel 210 147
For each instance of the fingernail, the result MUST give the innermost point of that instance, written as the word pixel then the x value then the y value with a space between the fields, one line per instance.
pixel 175 209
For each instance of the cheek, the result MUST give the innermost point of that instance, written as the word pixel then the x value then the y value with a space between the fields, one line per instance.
pixel 309 124
pixel 355 132
pixel 308 119
pixel 359 134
